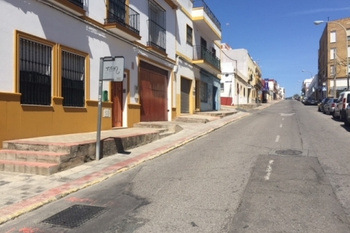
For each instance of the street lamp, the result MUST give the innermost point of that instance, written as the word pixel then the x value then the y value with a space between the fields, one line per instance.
pixel 308 72
pixel 318 22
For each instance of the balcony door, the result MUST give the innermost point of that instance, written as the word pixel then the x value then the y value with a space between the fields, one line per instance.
pixel 117 10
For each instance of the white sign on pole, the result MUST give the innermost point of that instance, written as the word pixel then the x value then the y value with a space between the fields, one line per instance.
pixel 113 68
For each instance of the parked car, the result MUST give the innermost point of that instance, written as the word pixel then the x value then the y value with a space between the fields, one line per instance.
pixel 343 100
pixel 347 115
pixel 322 103
pixel 329 106
pixel 310 101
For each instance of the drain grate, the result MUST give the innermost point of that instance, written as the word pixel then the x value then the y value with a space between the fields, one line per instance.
pixel 74 216
pixel 289 152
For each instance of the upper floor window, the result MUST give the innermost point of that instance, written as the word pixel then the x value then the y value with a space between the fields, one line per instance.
pixel 189 35
pixel 332 53
pixel 333 37
pixel 213 51
pixel 79 3
pixel 157 22
pixel 117 10
pixel 35 67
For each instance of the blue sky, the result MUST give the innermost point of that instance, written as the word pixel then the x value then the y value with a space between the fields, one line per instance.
pixel 279 34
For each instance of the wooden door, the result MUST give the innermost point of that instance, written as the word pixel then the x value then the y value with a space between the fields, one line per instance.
pixel 117 107
pixel 153 93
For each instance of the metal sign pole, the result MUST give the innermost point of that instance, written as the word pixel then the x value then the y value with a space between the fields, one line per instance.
pixel 98 137
pixel 111 69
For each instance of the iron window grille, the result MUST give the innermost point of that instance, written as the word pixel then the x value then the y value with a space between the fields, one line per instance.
pixel 189 35
pixel 119 12
pixel 201 3
pixel 35 72
pixel 79 3
pixel 202 53
pixel 156 23
pixel 73 79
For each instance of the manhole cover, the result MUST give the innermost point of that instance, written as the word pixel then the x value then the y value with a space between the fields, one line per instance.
pixel 74 216
pixel 289 152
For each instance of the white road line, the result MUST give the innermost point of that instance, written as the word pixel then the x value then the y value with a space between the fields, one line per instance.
pixel 280 125
pixel 282 119
pixel 277 138
pixel 268 170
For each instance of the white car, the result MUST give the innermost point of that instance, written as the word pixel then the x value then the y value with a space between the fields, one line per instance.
pixel 347 115
pixel 343 100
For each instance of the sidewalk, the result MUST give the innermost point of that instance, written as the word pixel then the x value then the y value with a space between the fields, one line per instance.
pixel 21 193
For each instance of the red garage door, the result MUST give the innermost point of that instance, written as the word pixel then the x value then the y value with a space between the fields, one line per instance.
pixel 153 93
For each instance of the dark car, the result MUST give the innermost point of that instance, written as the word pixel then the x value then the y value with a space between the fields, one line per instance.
pixel 322 103
pixel 310 101
pixel 328 108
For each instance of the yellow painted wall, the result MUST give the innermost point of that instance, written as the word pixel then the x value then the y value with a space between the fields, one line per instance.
pixel 173 113
pixel 23 121
pixel 134 114
pixel 178 104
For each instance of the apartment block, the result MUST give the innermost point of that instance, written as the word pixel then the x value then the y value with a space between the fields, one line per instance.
pixel 333 58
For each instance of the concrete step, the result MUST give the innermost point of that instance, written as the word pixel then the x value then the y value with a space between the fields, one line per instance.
pixel 37 146
pixel 41 157
pixel 36 168
pixel 164 127
pixel 34 156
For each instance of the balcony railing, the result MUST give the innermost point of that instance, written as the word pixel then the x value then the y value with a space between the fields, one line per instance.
pixel 79 3
pixel 123 15
pixel 201 3
pixel 201 53
pixel 157 35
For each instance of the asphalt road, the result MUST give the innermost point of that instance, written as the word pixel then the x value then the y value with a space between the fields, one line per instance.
pixel 281 169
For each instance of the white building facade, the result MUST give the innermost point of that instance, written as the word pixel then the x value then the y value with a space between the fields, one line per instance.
pixel 241 81
pixel 51 54
pixel 50 62
pixel 198 62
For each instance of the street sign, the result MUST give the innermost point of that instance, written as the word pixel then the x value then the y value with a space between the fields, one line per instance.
pixel 112 68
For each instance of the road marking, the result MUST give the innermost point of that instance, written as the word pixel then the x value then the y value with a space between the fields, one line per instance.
pixel 277 138
pixel 287 114
pixel 268 170
pixel 280 125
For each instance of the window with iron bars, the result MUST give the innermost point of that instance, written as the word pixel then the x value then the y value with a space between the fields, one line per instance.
pixel 35 72
pixel 73 79
pixel 157 31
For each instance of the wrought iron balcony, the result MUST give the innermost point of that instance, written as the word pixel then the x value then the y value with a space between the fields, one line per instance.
pixel 79 3
pixel 201 3
pixel 156 36
pixel 201 53
pixel 123 15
